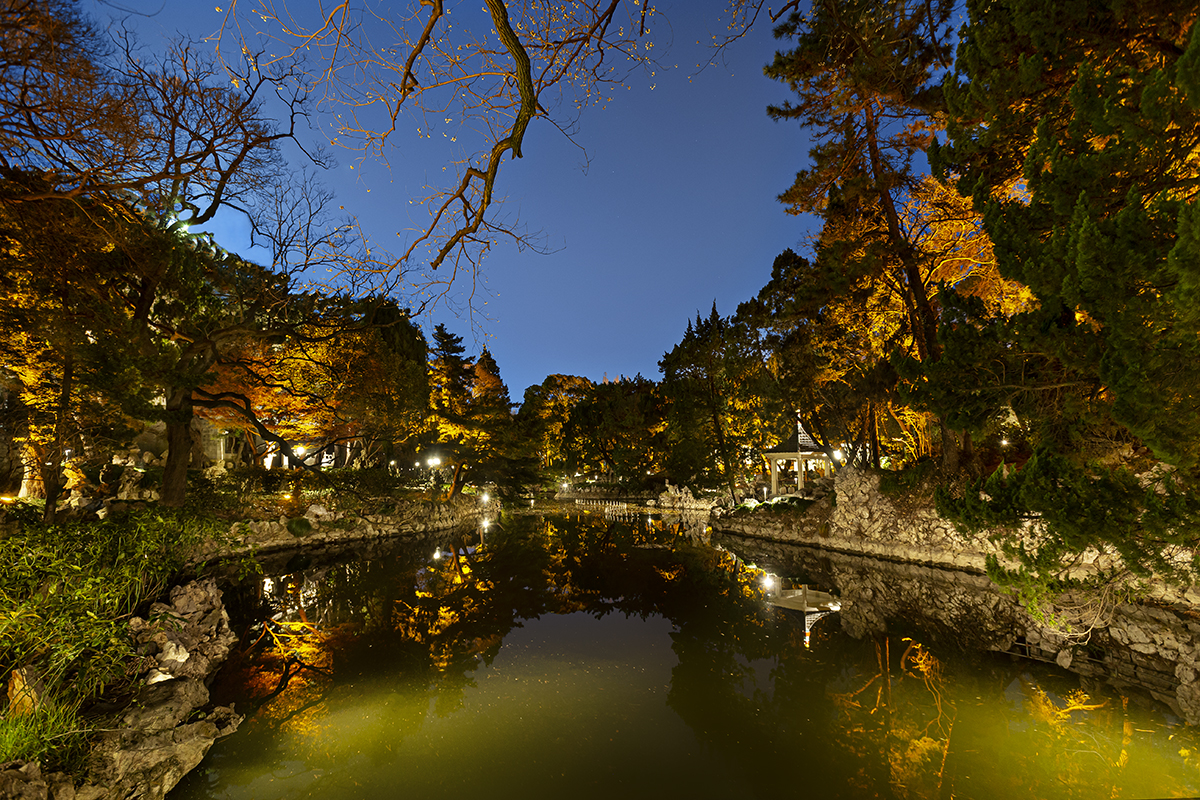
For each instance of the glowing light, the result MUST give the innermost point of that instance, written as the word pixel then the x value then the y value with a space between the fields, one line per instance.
pixel 8 500
pixel 287 497
pixel 300 451
pixel 486 497
pixel 434 462
pixel 837 455
pixel 1004 442
pixel 486 524
pixel 437 554
pixel 565 486
pixel 392 463
pixel 768 582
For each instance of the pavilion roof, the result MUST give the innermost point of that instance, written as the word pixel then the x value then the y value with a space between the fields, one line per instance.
pixel 798 442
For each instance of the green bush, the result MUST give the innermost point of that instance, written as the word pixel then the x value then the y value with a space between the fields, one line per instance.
pixel 299 526
pixel 909 479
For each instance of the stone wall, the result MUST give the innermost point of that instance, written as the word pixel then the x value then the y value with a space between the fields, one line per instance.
pixel 895 561
pixel 858 518
pixel 321 528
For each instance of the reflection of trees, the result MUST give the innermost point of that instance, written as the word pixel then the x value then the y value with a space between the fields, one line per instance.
pixel 847 718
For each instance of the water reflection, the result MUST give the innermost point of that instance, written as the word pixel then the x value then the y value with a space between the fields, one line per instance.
pixel 589 656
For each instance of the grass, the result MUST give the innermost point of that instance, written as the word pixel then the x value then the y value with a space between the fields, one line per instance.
pixel 66 594
pixel 53 735
pixel 776 505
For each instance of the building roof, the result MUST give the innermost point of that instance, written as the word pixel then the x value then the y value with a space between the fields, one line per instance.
pixel 799 442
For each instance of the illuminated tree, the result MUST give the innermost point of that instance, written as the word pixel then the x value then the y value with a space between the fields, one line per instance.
pixel 544 414
pixel 718 392
pixel 359 377
pixel 62 327
pixel 617 430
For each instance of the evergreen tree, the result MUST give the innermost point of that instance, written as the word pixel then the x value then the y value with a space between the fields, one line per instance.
pixel 1076 128
pixel 718 394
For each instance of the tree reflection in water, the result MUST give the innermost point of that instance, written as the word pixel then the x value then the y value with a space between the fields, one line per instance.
pixel 881 717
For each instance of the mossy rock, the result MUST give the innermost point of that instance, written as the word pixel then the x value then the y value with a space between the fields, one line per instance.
pixel 299 526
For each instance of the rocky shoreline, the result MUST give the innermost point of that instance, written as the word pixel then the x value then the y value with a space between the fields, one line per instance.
pixel 168 728
pixel 894 559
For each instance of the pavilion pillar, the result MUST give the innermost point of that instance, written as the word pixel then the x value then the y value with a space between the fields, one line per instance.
pixel 774 477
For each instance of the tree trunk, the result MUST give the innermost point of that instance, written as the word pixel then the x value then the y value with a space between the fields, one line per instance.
pixel 460 479
pixel 179 448
pixel 51 462
pixel 874 438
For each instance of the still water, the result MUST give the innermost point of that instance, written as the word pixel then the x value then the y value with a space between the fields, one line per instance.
pixel 593 657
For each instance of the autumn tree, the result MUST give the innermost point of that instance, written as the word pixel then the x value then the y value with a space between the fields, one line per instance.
pixel 62 327
pixel 865 75
pixel 357 377
pixel 828 348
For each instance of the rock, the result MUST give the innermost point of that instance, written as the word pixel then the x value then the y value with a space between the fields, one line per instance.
pixel 25 692
pixel 1188 697
pixel 1065 657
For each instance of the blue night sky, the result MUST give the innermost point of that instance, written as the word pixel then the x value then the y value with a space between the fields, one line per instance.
pixel 675 208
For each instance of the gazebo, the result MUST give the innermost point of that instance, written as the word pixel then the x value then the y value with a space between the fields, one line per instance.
pixel 801 449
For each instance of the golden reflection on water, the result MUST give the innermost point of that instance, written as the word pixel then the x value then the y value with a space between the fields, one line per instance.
pixel 594 658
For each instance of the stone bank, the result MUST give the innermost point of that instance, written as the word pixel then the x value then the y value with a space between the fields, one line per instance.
pixel 895 560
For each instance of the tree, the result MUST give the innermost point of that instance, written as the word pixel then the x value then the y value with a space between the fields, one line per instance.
pixel 617 430
pixel 65 265
pixel 359 377
pixel 866 78
pixel 479 78
pixel 543 417
pixel 718 393
pixel 864 74
pixel 829 346
pixel 1092 110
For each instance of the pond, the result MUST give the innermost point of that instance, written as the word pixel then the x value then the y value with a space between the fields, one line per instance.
pixel 599 657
